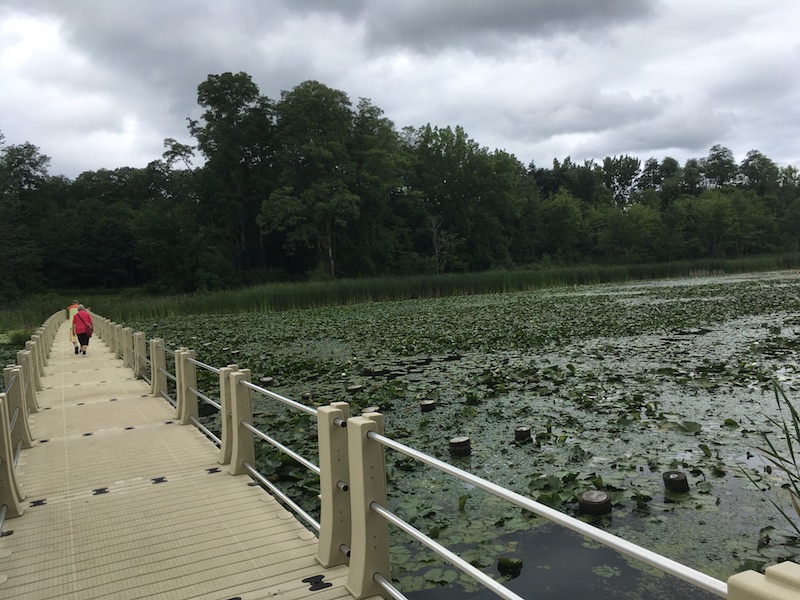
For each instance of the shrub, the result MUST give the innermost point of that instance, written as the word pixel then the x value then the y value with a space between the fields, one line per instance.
pixel 18 337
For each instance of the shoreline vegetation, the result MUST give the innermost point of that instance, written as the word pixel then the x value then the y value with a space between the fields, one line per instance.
pixel 28 313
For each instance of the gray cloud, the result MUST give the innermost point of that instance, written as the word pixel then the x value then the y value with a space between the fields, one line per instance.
pixel 539 78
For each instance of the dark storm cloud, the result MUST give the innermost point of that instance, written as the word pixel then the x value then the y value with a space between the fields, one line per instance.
pixel 425 25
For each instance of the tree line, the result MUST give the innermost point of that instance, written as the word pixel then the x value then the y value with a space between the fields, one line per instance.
pixel 313 186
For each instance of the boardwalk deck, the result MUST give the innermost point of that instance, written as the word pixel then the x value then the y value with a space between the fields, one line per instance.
pixel 123 502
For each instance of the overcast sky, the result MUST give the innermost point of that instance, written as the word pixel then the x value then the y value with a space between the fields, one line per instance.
pixel 100 83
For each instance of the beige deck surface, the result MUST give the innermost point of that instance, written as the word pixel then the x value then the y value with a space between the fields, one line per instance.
pixel 123 502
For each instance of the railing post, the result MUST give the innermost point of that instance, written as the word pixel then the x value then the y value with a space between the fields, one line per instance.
pixel 369 552
pixel 15 400
pixel 10 493
pixel 139 354
pixel 33 356
pixel 778 581
pixel 118 341
pixel 225 414
pixel 243 449
pixel 158 366
pixel 187 408
pixel 39 341
pixel 127 347
pixel 179 389
pixel 334 475
pixel 28 391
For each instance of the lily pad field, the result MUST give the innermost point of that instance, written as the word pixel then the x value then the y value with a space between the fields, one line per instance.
pixel 618 383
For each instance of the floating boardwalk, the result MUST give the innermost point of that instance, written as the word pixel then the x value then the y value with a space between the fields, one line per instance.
pixel 123 502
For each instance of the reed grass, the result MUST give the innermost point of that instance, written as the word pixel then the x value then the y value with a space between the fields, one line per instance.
pixel 135 304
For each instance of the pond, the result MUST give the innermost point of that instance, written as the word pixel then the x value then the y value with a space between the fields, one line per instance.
pixel 618 383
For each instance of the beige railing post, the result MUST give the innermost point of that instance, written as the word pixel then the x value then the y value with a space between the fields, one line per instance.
pixel 158 366
pixel 41 348
pixel 225 414
pixel 178 382
pixel 187 406
pixel 10 493
pixel 119 342
pixel 139 354
pixel 33 357
pixel 334 475
pixel 28 391
pixel 369 551
pixel 15 400
pixel 778 581
pixel 243 447
pixel 127 347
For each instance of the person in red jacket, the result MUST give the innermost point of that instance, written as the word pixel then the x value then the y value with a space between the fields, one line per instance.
pixel 83 327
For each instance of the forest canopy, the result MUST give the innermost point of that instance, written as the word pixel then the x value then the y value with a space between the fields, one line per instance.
pixel 312 185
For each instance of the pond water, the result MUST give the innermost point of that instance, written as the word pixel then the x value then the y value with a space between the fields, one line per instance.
pixel 618 384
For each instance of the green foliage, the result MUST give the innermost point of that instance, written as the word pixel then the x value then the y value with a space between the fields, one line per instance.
pixel 18 337
pixel 310 185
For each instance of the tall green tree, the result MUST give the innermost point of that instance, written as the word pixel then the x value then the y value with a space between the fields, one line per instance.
pixel 313 202
pixel 380 239
pixel 719 167
pixel 236 136
pixel 23 170
pixel 620 174
pixel 760 173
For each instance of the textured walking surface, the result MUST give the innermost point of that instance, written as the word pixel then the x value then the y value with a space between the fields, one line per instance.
pixel 123 502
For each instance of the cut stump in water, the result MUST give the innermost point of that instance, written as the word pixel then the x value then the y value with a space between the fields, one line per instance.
pixel 675 481
pixel 509 567
pixel 460 446
pixel 427 405
pixel 522 434
pixel 594 502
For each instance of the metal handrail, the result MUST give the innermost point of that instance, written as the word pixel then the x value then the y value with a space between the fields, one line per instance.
pixel 209 434
pixel 10 384
pixel 168 374
pixel 692 576
pixel 308 465
pixel 205 398
pixel 14 419
pixel 16 453
pixel 448 555
pixel 294 404
pixel 168 398
pixel 283 497
pixel 204 366
pixel 393 591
